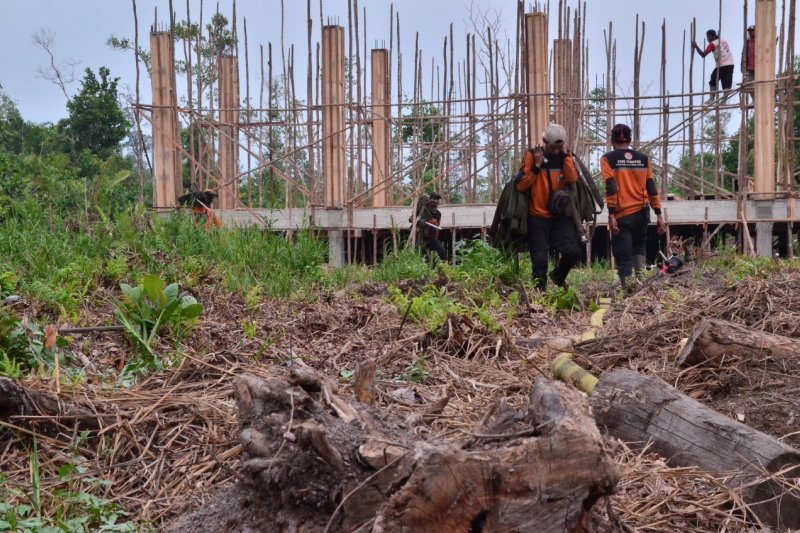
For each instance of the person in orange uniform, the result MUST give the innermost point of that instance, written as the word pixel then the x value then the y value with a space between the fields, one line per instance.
pixel 200 202
pixel 630 193
pixel 545 170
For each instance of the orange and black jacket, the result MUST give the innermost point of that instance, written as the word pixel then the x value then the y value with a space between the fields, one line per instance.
pixel 205 216
pixel 561 170
pixel 629 182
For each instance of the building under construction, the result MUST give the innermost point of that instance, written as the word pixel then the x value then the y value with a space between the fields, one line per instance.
pixel 349 153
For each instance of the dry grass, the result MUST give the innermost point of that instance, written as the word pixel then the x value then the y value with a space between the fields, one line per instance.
pixel 173 441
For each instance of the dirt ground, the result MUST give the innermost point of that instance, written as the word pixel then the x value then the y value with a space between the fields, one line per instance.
pixel 174 448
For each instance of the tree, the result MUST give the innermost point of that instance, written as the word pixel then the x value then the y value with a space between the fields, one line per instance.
pixel 96 122
pixel 11 125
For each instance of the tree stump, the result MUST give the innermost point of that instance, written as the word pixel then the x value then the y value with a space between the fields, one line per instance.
pixel 644 409
pixel 713 341
pixel 308 469
pixel 364 386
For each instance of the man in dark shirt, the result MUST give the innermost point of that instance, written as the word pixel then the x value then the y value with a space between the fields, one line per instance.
pixel 428 224
pixel 545 171
pixel 630 193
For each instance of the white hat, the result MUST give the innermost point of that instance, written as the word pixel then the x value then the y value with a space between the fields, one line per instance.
pixel 554 134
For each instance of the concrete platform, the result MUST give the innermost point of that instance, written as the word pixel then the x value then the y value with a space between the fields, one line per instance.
pixel 480 216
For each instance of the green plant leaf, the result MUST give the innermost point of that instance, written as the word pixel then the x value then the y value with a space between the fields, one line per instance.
pixel 191 311
pixel 171 292
pixel 153 288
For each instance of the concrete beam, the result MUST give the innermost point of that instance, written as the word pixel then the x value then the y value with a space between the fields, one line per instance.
pixel 480 216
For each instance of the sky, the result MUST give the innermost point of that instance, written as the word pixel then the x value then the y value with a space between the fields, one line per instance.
pixel 81 28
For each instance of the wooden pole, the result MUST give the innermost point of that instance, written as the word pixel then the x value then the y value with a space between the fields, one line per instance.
pixel 381 134
pixel 249 115
pixel 167 163
pixel 229 131
pixel 333 126
pixel 692 184
pixel 764 114
pixel 312 171
pixel 637 69
pixel 536 74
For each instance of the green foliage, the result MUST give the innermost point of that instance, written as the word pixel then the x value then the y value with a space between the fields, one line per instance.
pixel 737 268
pixel 147 309
pixel 416 372
pixel 479 263
pixel 430 308
pixel 96 123
pixel 22 346
pixel 73 506
pixel 8 282
pixel 406 263
pixel 560 299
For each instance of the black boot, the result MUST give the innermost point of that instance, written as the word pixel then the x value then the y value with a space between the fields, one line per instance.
pixel 539 282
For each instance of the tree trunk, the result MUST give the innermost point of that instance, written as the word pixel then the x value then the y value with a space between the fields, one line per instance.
pixel 641 409
pixel 540 470
pixel 52 413
pixel 715 341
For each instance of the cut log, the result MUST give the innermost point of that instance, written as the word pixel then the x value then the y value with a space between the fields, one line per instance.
pixel 644 409
pixel 538 470
pixel 42 411
pixel 714 341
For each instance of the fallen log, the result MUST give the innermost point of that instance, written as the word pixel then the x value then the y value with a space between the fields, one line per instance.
pixel 642 410
pixel 714 341
pixel 43 411
pixel 308 469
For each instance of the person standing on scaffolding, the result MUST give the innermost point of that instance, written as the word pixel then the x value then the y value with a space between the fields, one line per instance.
pixel 722 55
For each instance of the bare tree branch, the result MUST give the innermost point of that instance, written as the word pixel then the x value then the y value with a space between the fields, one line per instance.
pixel 60 74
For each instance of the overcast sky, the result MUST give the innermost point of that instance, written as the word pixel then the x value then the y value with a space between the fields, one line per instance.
pixel 81 28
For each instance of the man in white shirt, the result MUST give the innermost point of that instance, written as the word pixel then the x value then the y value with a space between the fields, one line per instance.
pixel 723 57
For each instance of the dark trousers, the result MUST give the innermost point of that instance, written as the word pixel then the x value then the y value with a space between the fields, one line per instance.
pixel 630 241
pixel 558 233
pixel 433 245
pixel 725 75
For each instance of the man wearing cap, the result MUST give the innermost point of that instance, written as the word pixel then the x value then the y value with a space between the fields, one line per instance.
pixel 545 171
pixel 749 55
pixel 630 193
pixel 428 224
pixel 723 57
